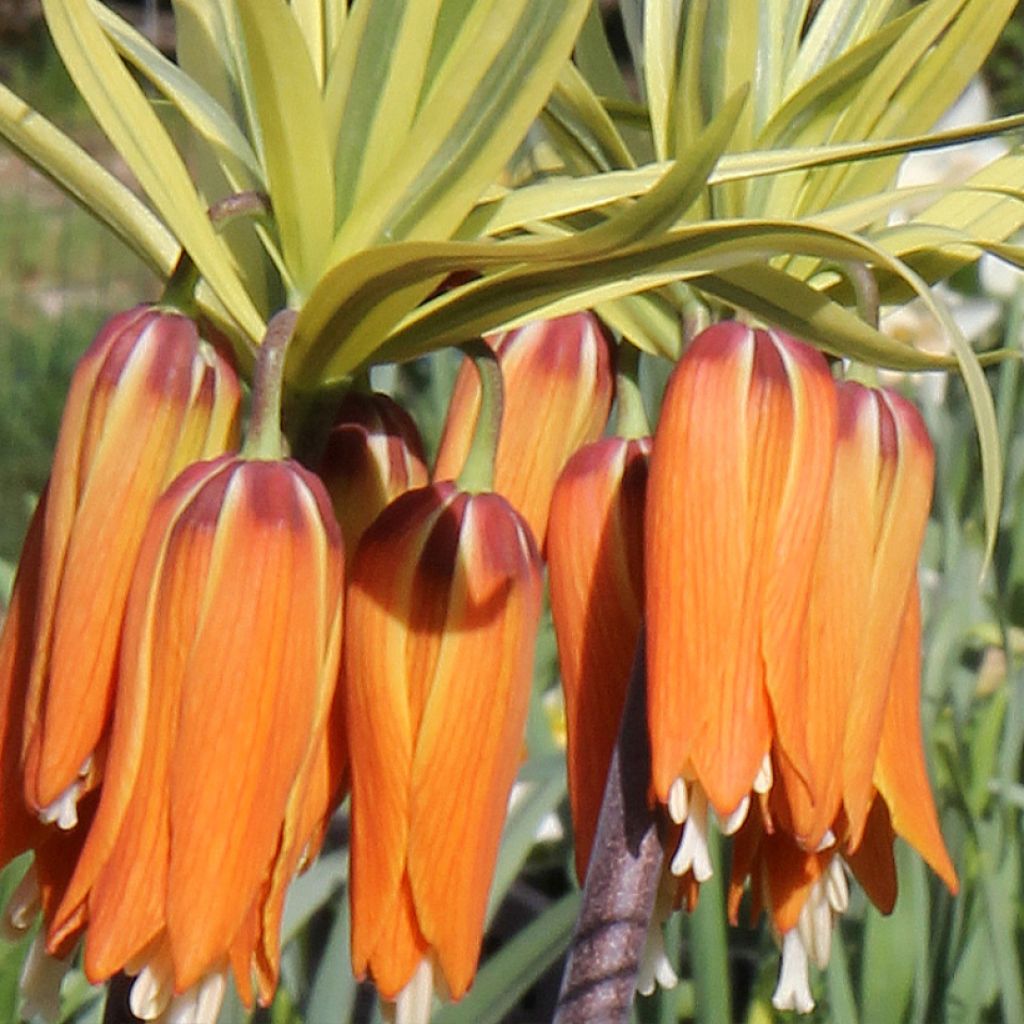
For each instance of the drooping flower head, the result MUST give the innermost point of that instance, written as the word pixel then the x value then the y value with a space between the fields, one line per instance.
pixel 444 599
pixel 595 562
pixel 147 398
pixel 558 385
pixel 739 475
pixel 228 664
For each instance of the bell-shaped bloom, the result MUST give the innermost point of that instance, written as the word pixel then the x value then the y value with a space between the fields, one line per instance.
pixel 558 384
pixel 595 566
pixel 739 476
pixel 147 398
pixel 443 605
pixel 228 664
pixel 372 455
pixel 865 569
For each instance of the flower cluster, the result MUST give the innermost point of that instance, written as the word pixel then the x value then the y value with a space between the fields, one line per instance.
pixel 206 648
pixel 784 518
pixel 774 561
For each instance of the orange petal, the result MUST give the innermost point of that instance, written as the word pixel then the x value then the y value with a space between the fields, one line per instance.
pixel 151 405
pixel 872 861
pixel 595 559
pixel 468 747
pixel 900 772
pixel 380 723
pixel 906 467
pixel 250 692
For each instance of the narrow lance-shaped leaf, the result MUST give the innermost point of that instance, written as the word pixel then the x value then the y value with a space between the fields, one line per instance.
pixel 87 182
pixel 126 116
pixel 295 144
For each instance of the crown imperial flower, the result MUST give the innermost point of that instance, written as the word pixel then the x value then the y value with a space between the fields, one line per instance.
pixel 228 665
pixel 443 605
pixel 147 398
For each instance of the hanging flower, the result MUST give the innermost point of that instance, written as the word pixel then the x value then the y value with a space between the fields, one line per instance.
pixel 228 665
pixel 558 384
pixel 739 474
pixel 372 455
pixel 147 398
pixel 444 600
pixel 595 559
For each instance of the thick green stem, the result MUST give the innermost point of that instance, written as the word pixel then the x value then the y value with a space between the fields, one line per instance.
pixel 180 291
pixel 264 439
pixel 478 472
pixel 630 414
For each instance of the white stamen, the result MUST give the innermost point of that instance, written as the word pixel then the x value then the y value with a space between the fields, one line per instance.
pixel 655 967
pixel 200 1004
pixel 734 821
pixel 793 992
pixel 415 1002
pixel 765 777
pixel 41 979
pixel 64 810
pixel 836 888
pixel 678 801
pixel 692 852
pixel 153 989
pixel 21 908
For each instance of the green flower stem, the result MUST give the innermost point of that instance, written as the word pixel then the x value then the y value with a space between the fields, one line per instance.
pixel 630 415
pixel 264 439
pixel 179 292
pixel 478 473
pixel 622 880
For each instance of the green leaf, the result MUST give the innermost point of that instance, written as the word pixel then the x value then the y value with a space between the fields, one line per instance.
pixel 296 153
pixel 359 301
pixel 333 992
pixel 126 116
pixel 87 182
pixel 498 73
pixel 206 116
pixel 511 972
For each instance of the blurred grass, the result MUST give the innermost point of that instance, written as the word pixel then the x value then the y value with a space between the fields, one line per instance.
pixel 61 275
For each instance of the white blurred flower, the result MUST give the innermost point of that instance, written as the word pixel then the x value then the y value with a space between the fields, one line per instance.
pixel 950 165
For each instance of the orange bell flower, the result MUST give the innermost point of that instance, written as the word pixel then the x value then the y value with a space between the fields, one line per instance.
pixel 228 664
pixel 739 475
pixel 595 565
pixel 866 566
pixel 147 398
pixel 443 605
pixel 372 455
pixel 558 384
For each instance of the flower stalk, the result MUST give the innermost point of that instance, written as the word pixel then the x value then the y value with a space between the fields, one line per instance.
pixel 477 473
pixel 264 439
